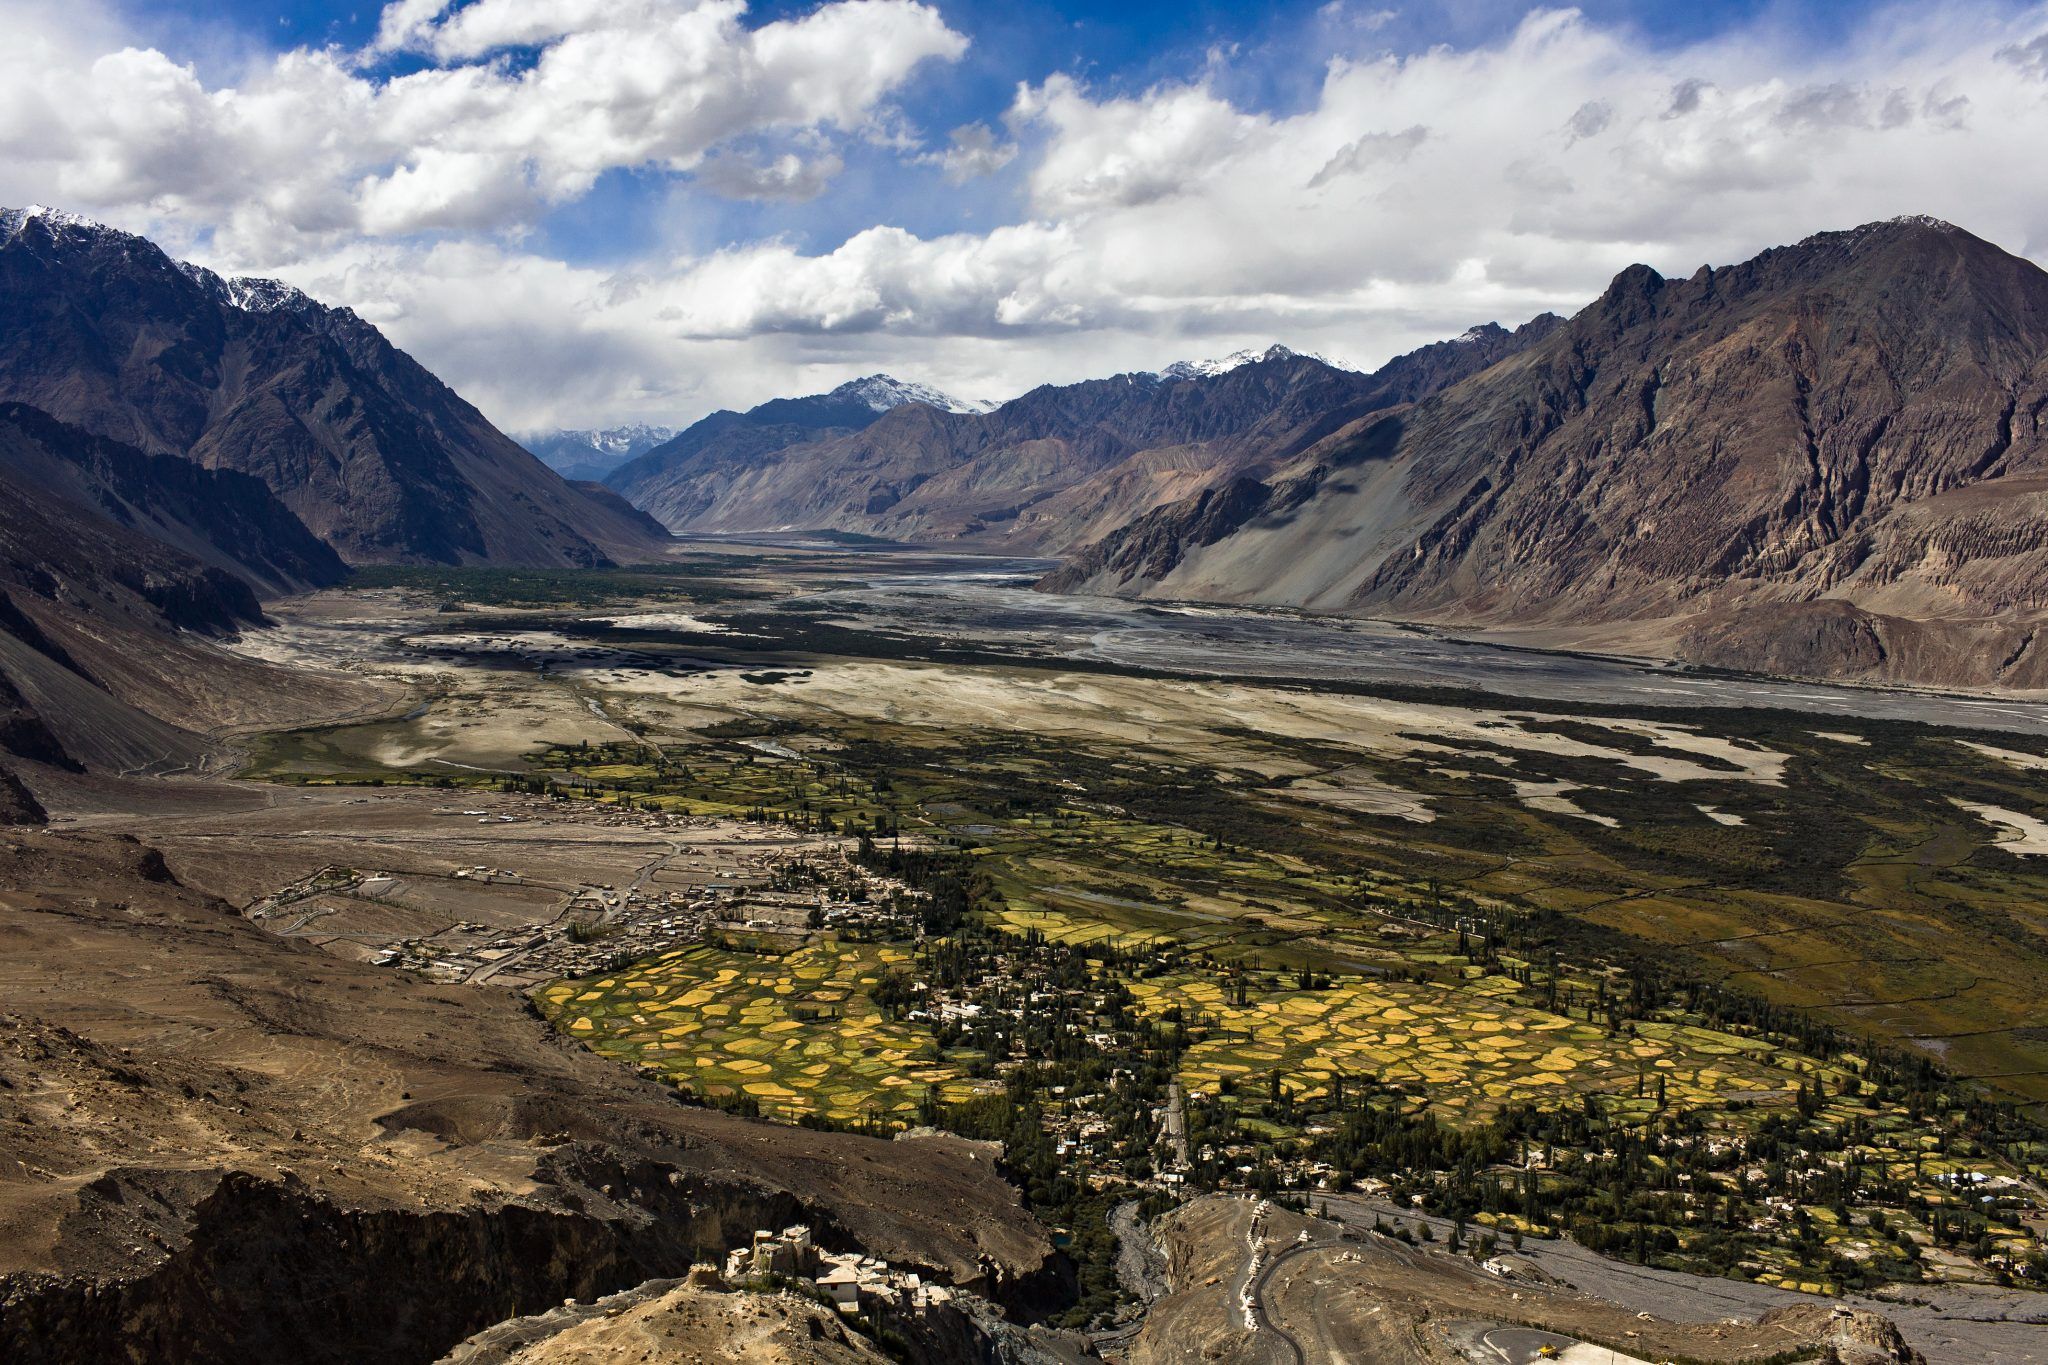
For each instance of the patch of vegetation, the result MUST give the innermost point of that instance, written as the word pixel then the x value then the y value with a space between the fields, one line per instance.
pixel 800 1035
pixel 703 581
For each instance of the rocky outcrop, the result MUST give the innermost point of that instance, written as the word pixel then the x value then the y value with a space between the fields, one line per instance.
pixel 1154 545
pixel 272 1269
pixel 1829 460
pixel 18 805
pixel 669 1322
pixel 375 455
pixel 23 733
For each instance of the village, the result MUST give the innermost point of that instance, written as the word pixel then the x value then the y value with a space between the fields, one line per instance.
pixel 1087 1050
pixel 506 922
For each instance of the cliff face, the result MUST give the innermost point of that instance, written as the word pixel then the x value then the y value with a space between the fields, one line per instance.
pixel 375 455
pixel 1056 468
pixel 1829 460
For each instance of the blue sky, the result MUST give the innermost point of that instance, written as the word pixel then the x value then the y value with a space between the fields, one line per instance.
pixel 1276 52
pixel 1274 66
pixel 582 212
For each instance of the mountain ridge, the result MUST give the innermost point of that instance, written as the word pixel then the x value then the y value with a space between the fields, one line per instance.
pixel 1042 473
pixel 587 454
pixel 101 329
pixel 1820 461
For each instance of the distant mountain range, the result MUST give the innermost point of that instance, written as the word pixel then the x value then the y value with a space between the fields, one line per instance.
pixel 590 455
pixel 1043 473
pixel 1829 461
pixel 682 480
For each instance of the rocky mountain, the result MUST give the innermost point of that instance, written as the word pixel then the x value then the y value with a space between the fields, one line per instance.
pixel 586 455
pixel 221 517
pixel 881 392
pixel 118 569
pixel 1057 467
pixel 677 481
pixel 1209 369
pixel 375 455
pixel 1829 460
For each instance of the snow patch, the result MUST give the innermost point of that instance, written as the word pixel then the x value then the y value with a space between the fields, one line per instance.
pixel 12 221
pixel 253 295
pixel 881 393
pixel 630 439
pixel 1209 369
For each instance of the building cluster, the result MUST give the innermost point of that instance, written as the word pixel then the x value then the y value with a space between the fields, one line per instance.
pixel 746 878
pixel 854 1284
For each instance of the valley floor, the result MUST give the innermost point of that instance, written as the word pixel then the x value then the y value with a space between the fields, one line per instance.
pixel 1705 974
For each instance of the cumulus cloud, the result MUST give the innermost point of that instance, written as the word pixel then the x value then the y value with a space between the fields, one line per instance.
pixel 1128 152
pixel 789 177
pixel 1407 197
pixel 315 143
pixel 975 152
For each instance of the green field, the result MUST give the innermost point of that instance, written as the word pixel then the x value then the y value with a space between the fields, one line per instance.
pixel 798 1033
pixel 1470 1050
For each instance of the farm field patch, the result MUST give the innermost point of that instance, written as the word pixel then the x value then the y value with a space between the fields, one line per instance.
pixel 798 1033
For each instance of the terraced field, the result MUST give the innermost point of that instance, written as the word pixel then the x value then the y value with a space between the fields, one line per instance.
pixel 799 1033
pixel 1471 1050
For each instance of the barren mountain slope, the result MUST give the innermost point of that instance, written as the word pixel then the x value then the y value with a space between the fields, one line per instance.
pixel 1055 468
pixel 379 458
pixel 106 655
pixel 1829 460
pixel 221 517
pixel 222 1147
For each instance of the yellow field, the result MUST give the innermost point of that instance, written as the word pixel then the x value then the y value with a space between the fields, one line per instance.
pixel 799 1033
pixel 1473 1052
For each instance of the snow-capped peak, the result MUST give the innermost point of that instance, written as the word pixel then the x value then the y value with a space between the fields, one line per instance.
pixel 249 293
pixel 630 439
pixel 1209 369
pixel 254 295
pixel 12 221
pixel 880 393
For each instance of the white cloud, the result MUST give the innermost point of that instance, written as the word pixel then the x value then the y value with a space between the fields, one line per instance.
pixel 789 177
pixel 1418 195
pixel 1127 152
pixel 975 152
pixel 313 144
